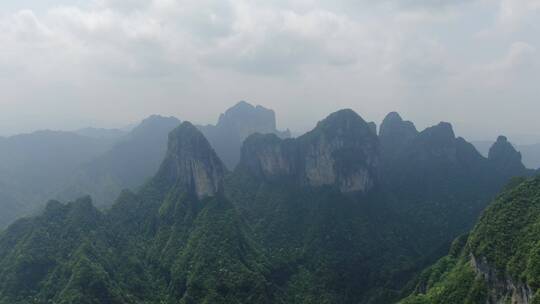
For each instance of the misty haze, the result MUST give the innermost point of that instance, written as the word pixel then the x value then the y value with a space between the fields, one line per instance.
pixel 302 151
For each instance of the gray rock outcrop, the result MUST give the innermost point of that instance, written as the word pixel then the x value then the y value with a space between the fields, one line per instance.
pixel 341 151
pixel 501 289
pixel 191 164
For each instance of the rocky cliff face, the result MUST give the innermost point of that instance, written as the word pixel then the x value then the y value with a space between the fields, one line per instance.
pixel 502 289
pixel 342 151
pixel 191 164
pixel 268 156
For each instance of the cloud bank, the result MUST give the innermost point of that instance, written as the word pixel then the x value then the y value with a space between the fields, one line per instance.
pixel 107 62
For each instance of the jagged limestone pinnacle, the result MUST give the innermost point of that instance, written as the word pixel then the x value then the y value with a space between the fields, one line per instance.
pixel 191 163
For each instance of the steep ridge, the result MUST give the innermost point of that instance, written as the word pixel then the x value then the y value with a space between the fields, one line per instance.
pixel 434 175
pixel 190 163
pixel 498 262
pixel 429 189
pixel 434 166
pixel 195 236
pixel 428 159
pixel 342 151
pixel 102 162
pixel 235 125
pixel 136 157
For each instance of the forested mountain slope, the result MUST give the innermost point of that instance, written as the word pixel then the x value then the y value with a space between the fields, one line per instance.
pixel 163 244
pixel 498 262
pixel 328 217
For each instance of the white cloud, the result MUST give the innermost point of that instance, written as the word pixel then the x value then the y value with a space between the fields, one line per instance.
pixel 513 70
pixel 276 41
pixel 515 13
pixel 520 55
pixel 120 54
pixel 148 36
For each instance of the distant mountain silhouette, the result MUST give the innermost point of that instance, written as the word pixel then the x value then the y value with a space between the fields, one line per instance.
pixel 127 165
pixel 102 133
pixel 102 162
pixel 530 153
pixel 35 166
pixel 235 125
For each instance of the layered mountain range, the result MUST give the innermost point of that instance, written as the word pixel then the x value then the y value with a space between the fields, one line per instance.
pixel 137 156
pixel 128 164
pixel 337 215
pixel 34 166
pixel 102 162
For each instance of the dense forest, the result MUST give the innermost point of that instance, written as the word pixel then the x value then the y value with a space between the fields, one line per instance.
pixel 498 261
pixel 340 214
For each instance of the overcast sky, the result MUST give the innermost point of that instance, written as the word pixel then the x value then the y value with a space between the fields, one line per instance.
pixel 66 64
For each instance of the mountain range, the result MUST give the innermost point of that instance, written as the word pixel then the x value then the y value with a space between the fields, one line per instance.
pixel 137 155
pixel 340 214
pixel 102 162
